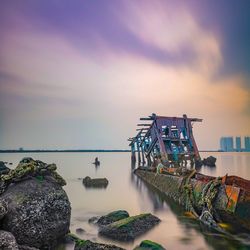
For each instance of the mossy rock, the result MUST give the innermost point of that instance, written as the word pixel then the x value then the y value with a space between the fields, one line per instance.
pixel 27 169
pixel 149 245
pixel 81 244
pixel 112 217
pixel 129 228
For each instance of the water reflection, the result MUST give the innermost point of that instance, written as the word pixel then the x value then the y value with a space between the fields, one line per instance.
pixel 127 191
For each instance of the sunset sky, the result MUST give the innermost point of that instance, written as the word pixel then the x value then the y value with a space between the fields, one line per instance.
pixel 79 74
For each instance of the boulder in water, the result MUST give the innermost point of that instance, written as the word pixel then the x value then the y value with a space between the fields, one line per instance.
pixel 112 217
pixel 149 245
pixel 95 183
pixel 209 161
pixel 129 228
pixel 81 244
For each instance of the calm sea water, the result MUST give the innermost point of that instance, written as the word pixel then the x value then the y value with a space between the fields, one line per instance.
pixel 126 191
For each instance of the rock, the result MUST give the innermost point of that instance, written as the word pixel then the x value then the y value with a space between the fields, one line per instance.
pixel 28 168
pixel 112 217
pixel 3 168
pixel 94 219
pixel 80 230
pixel 128 229
pixel 38 208
pixel 89 245
pixel 95 183
pixel 198 164
pixel 7 241
pixel 149 245
pixel 23 247
pixel 209 161
pixel 3 208
pixel 69 238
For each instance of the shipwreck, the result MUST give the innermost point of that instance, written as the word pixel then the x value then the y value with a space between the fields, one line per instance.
pixel 167 157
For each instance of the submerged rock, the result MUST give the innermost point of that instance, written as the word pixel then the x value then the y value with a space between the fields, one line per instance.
pixel 95 183
pixel 149 245
pixel 94 219
pixel 38 209
pixel 80 231
pixel 112 217
pixel 129 228
pixel 89 245
pixel 81 244
pixel 209 161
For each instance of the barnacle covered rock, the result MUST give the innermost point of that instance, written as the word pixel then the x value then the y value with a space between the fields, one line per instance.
pixel 33 205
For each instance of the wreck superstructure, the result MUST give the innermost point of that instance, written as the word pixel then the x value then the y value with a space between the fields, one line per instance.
pixel 168 138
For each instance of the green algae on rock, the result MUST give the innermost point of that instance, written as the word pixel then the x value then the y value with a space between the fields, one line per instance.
pixel 81 244
pixel 129 228
pixel 149 245
pixel 112 217
pixel 28 168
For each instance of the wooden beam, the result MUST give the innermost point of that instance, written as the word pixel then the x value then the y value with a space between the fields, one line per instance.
pixel 144 125
pixel 146 119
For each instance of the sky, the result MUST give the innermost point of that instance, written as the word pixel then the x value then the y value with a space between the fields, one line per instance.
pixel 79 74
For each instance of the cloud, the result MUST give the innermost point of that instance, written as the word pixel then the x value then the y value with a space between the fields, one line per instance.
pixel 174 31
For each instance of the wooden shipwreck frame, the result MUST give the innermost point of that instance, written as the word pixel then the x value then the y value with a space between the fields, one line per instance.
pixel 163 147
pixel 168 138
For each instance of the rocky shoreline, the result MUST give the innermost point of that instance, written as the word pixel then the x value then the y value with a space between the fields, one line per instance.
pixel 35 212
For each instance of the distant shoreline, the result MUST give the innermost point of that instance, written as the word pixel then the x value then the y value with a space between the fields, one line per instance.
pixel 63 151
pixel 85 151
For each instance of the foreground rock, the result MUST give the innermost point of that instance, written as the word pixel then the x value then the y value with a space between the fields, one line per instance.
pixel 209 161
pixel 110 218
pixel 149 245
pixel 7 240
pixel 95 183
pixel 38 209
pixel 128 229
pixel 89 245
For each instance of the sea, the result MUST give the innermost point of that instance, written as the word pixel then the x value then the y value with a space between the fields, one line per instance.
pixel 127 192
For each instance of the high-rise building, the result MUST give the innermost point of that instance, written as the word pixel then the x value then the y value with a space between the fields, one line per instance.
pixel 247 143
pixel 238 144
pixel 226 144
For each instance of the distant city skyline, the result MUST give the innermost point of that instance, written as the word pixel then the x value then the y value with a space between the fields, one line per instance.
pixel 80 74
pixel 230 144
